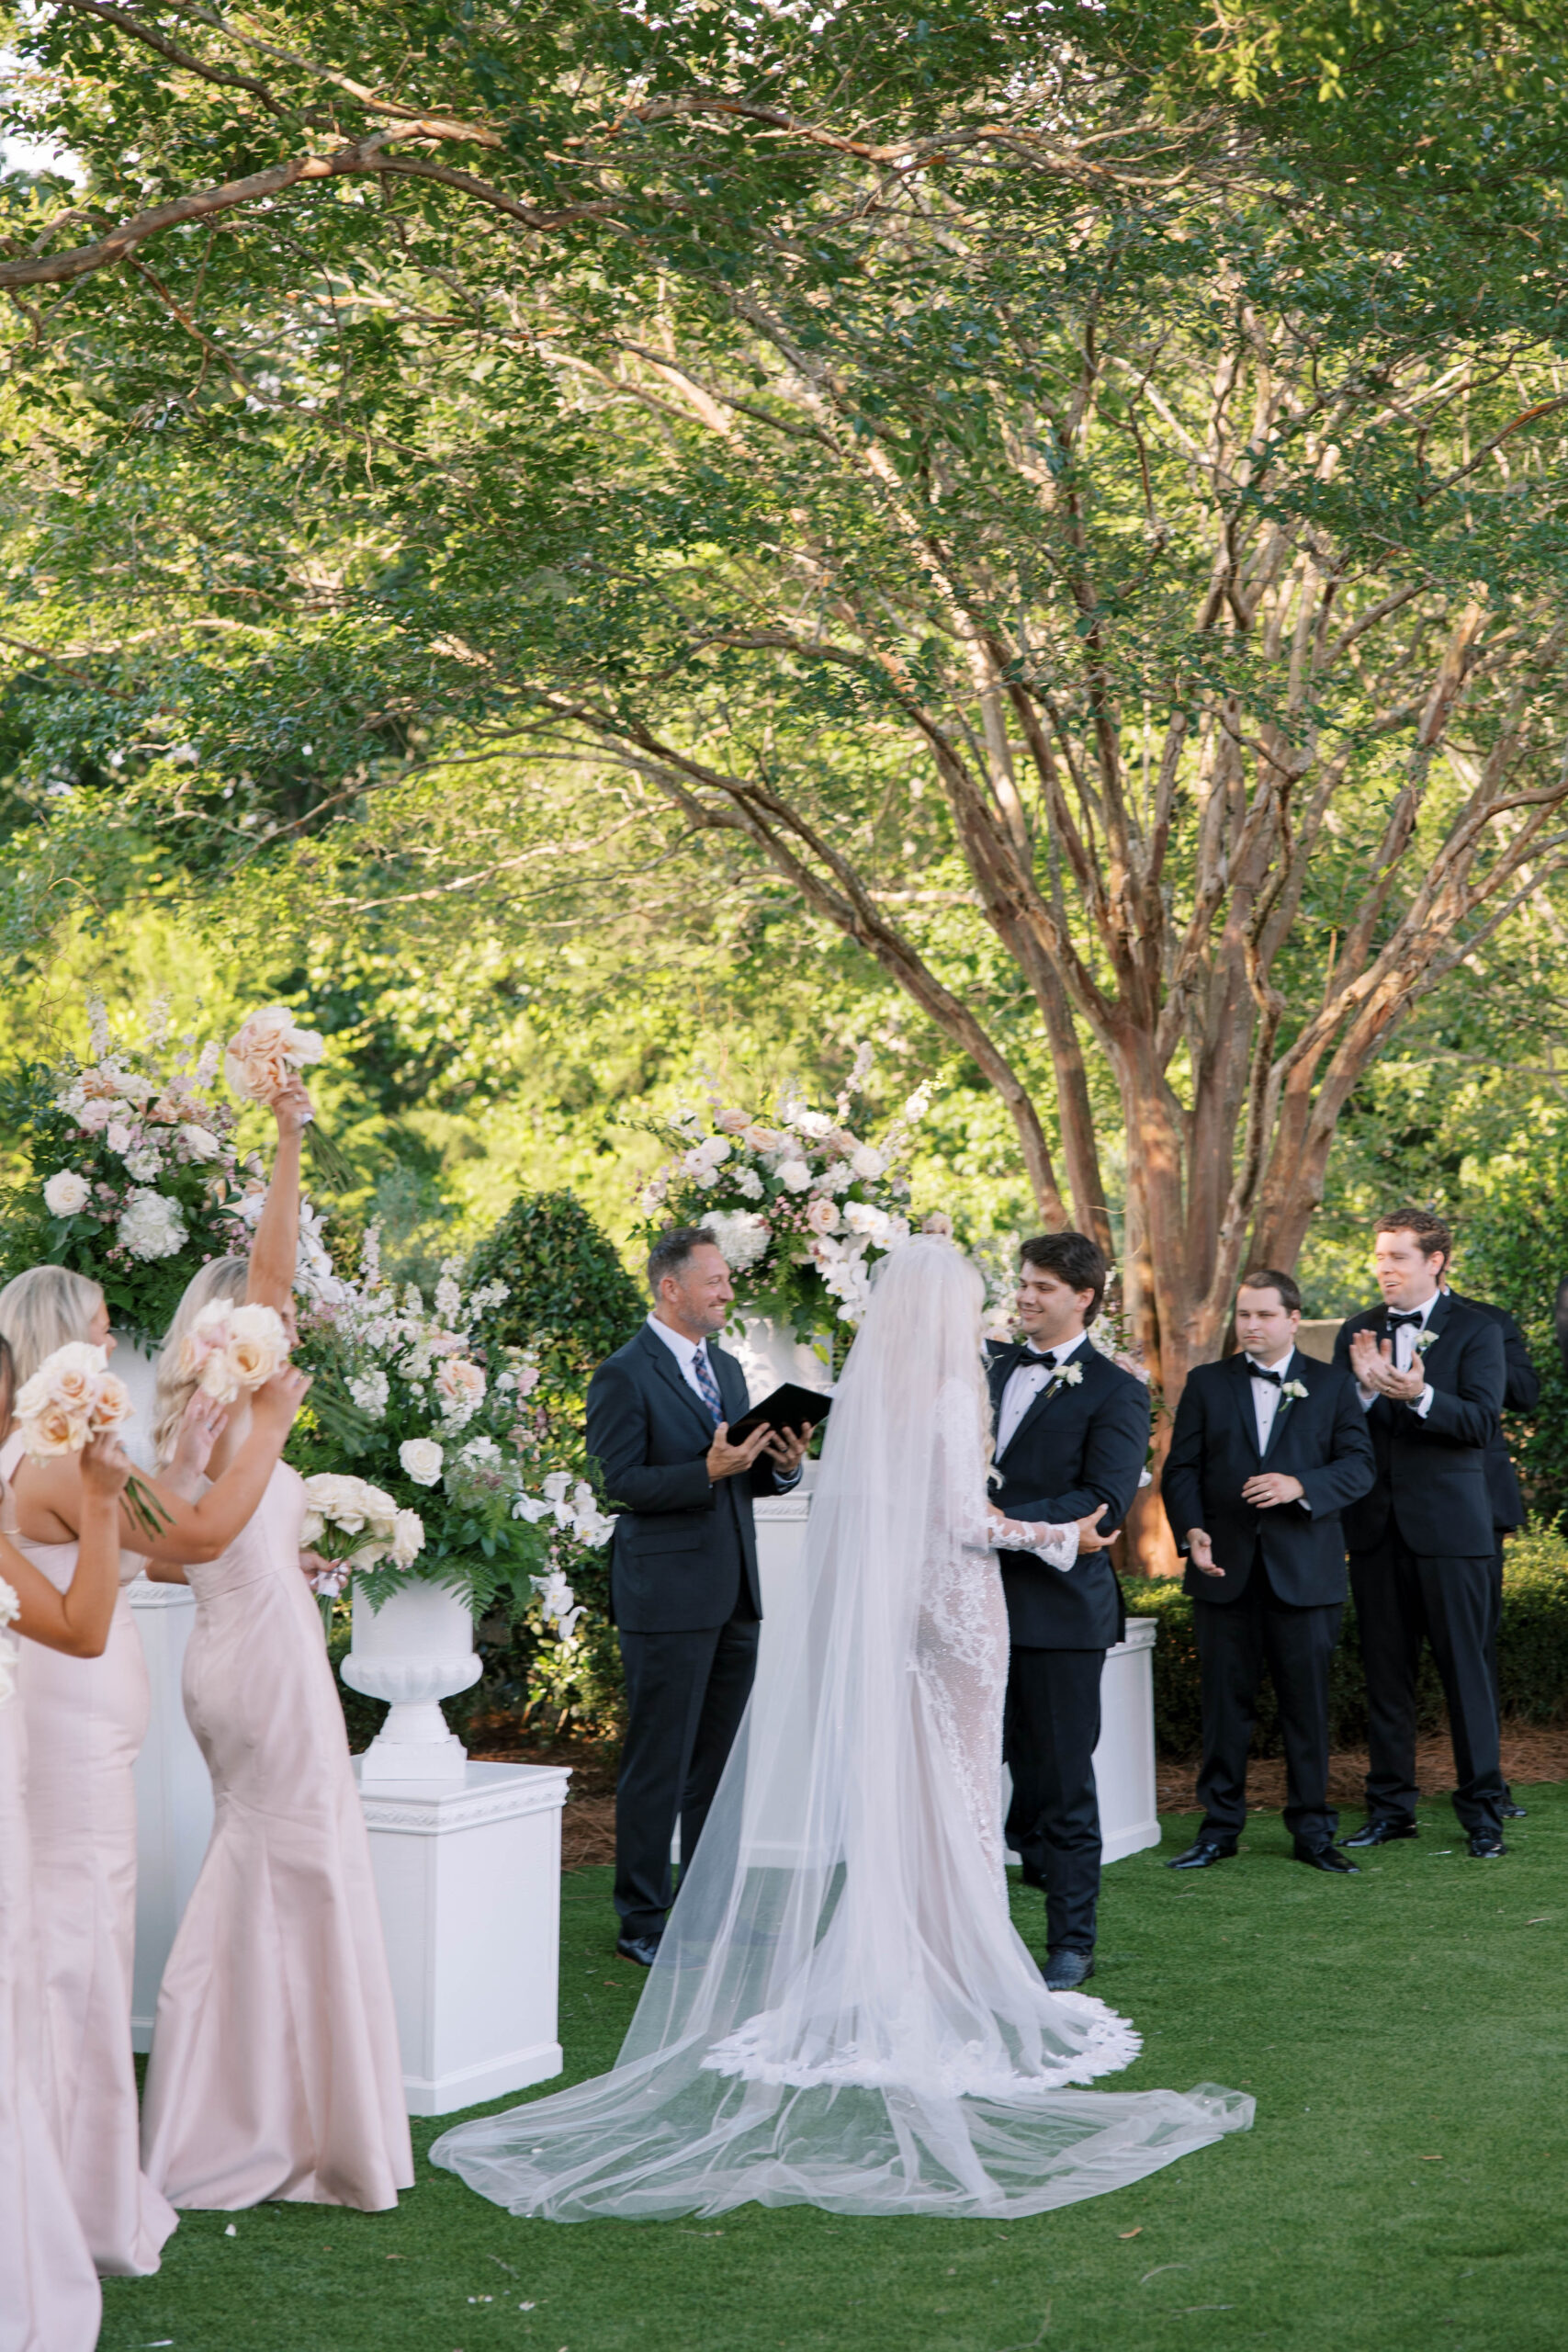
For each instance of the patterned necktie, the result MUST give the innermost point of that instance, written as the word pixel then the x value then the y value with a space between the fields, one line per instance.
pixel 702 1372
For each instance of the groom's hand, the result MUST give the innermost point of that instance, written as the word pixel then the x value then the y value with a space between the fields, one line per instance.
pixel 724 1459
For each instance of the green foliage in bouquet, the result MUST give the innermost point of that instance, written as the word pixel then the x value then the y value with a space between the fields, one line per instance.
pixel 569 1302
pixel 129 1173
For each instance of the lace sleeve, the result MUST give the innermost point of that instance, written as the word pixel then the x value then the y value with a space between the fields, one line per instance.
pixel 958 1468
pixel 1060 1548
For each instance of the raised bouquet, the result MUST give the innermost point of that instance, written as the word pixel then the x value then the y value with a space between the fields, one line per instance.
pixel 269 1049
pixel 442 1437
pixel 801 1204
pixel 133 1176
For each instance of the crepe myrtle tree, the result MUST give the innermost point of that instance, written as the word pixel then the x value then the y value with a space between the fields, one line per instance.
pixel 1029 474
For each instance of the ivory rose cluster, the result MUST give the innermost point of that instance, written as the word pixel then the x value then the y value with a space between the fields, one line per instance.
pixel 267 1050
pixel 231 1348
pixel 71 1398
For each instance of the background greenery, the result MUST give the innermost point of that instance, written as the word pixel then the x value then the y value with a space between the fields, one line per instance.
pixel 1402 2032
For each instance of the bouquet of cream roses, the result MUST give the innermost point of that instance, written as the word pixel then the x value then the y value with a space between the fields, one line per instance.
pixel 354 1526
pixel 267 1050
pixel 71 1398
pixel 230 1349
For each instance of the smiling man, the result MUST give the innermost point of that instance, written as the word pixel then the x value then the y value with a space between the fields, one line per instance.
pixel 1431 1375
pixel 1267 1449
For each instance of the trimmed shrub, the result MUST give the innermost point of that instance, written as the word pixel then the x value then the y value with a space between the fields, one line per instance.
pixel 1532 1656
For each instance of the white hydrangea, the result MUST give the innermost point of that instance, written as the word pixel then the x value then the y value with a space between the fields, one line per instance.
pixel 748 1183
pixel 151 1226
pixel 146 1164
pixel 742 1235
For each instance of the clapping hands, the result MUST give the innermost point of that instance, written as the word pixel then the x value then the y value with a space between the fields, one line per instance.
pixel 1374 1365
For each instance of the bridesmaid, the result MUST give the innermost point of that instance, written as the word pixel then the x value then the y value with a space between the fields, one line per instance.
pixel 85 1720
pixel 275 2070
pixel 49 2299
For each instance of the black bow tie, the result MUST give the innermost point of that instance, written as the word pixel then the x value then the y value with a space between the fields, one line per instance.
pixel 1411 1315
pixel 1046 1356
pixel 1275 1379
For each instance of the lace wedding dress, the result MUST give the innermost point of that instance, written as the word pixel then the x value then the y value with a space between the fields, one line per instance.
pixel 841 2013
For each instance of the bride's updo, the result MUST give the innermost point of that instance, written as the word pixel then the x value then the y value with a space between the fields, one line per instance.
pixel 219 1278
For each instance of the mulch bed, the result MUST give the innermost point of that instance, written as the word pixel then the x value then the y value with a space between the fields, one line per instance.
pixel 1530 1752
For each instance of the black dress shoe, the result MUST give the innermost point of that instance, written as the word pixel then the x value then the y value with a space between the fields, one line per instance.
pixel 1378 1832
pixel 1326 1857
pixel 1200 1855
pixel 1510 1811
pixel 1065 1970
pixel 1485 1846
pixel 644 1950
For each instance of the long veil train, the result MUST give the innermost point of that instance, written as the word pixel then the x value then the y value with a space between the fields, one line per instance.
pixel 841 2013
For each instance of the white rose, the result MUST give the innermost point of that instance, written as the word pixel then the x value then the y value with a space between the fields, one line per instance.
pixel 200 1143
pixel 151 1226
pixel 408 1538
pixel 120 1137
pixel 65 1192
pixel 795 1176
pixel 815 1123
pixel 822 1217
pixel 868 1163
pixel 421 1459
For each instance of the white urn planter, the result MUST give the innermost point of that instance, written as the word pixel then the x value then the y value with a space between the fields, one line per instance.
pixel 416 1649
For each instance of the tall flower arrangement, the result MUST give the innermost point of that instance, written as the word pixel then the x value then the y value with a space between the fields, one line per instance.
pixel 445 1436
pixel 803 1202
pixel 133 1176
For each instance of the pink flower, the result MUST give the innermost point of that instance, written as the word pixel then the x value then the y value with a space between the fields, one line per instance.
pixel 733 1123
pixel 460 1382
pixel 822 1216
pixel 267 1051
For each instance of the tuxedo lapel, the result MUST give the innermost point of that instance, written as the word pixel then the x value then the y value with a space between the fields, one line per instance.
pixel 1241 1401
pixel 666 1369
pixel 1287 1408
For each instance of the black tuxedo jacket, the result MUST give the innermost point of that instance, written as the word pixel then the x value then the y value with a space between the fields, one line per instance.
pixel 1079 1447
pixel 1320 1437
pixel 683 1548
pixel 1521 1394
pixel 1431 1483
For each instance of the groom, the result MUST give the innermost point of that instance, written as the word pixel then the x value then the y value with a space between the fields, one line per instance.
pixel 1072 1431
pixel 683 1589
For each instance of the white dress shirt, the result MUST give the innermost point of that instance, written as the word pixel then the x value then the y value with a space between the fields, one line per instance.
pixel 1405 1336
pixel 1265 1396
pixel 1034 1369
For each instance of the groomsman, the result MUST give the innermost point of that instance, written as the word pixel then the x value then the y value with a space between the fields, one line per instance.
pixel 1521 1394
pixel 1072 1431
pixel 1268 1447
pixel 1431 1376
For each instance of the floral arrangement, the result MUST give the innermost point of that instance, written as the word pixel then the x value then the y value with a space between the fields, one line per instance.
pixel 445 1435
pixel 134 1177
pixel 801 1204
pixel 231 1348
pixel 267 1050
pixel 71 1398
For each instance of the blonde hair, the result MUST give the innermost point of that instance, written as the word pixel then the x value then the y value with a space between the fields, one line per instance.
pixel 219 1278
pixel 43 1309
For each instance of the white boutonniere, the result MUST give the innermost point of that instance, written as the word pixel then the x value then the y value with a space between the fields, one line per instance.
pixel 1067 1375
pixel 1428 1339
pixel 1293 1388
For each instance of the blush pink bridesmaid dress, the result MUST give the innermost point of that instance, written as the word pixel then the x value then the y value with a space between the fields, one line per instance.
pixel 85 1720
pixel 275 2070
pixel 49 2299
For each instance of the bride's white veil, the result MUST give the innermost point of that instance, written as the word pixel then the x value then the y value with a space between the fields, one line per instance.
pixel 840 2012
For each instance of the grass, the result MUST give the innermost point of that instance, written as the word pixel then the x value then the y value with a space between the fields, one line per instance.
pixel 1405 2035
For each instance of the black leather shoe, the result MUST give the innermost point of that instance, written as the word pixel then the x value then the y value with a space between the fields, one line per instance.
pixel 1065 1970
pixel 1201 1856
pixel 1378 1832
pixel 1485 1846
pixel 644 1950
pixel 1512 1812
pixel 1327 1858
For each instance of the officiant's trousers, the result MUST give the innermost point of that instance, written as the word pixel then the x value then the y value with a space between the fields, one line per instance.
pixel 685 1696
pixel 1052 1731
pixel 1403 1597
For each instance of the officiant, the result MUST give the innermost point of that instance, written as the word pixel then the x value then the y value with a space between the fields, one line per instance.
pixel 684 1593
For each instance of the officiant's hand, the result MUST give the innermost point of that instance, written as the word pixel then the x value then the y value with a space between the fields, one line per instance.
pixel 725 1459
pixel 1200 1551
pixel 786 1449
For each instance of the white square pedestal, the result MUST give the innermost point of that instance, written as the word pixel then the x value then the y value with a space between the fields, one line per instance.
pixel 174 1796
pixel 469 1877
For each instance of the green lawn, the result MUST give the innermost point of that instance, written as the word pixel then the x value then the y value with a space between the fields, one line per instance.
pixel 1405 2035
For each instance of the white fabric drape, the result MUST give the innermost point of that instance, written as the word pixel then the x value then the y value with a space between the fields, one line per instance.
pixel 841 2013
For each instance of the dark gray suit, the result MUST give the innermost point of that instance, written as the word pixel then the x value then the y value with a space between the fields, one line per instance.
pixel 685 1598
pixel 1082 1445
pixel 1281 1599
pixel 1422 1550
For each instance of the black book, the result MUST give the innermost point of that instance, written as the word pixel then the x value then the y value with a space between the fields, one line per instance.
pixel 789 1407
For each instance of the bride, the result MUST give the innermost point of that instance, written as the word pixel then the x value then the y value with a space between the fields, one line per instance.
pixel 841 2013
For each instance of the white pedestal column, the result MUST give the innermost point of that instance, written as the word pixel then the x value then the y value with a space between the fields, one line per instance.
pixel 174 1796
pixel 467 1873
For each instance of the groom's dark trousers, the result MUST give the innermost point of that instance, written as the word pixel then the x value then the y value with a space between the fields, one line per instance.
pixel 686 1600
pixel 1081 1445
pixel 1282 1593
pixel 1423 1563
